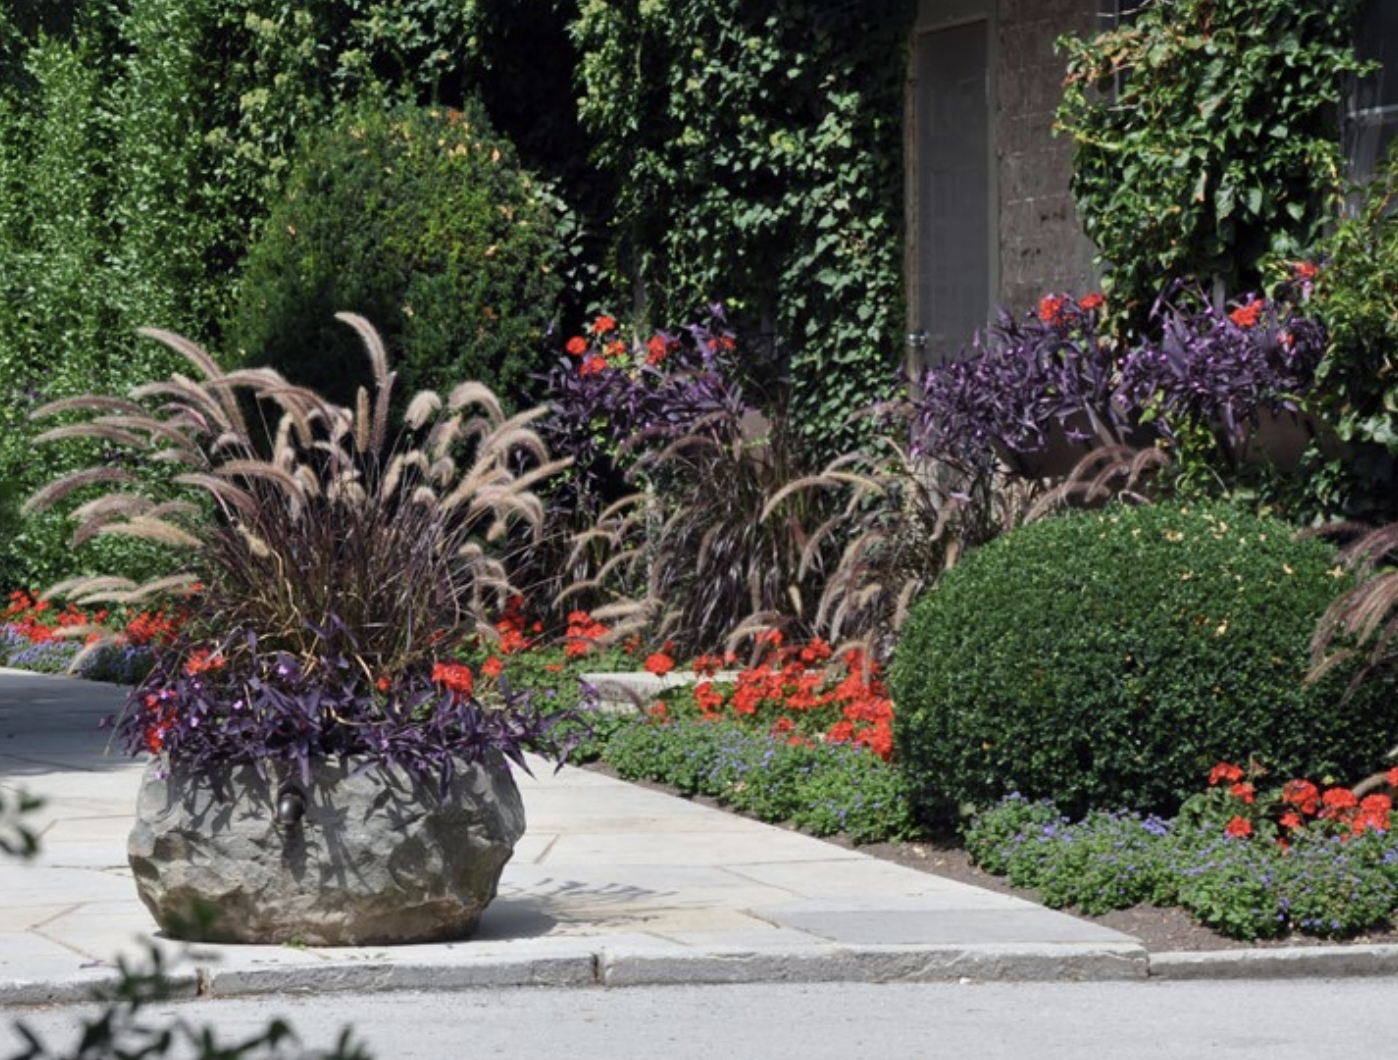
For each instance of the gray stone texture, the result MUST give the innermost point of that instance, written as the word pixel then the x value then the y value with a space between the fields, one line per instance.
pixel 378 858
pixel 1042 247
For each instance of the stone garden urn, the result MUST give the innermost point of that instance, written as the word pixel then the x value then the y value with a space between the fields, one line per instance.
pixel 359 856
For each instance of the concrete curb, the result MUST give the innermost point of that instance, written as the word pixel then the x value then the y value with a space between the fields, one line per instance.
pixel 83 989
pixel 1329 962
pixel 630 966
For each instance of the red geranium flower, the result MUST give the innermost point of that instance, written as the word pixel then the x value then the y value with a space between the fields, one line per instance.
pixel 1238 828
pixel 659 664
pixel 1051 309
pixel 577 346
pixel 455 678
pixel 1302 794
pixel 1336 800
pixel 1245 316
pixel 1225 772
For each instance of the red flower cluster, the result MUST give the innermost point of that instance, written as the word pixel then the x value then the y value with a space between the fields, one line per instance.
pixel 455 678
pixel 162 716
pixel 582 634
pixel 1246 316
pixel 202 661
pixel 599 352
pixel 796 692
pixel 511 627
pixel 1300 804
pixel 39 621
pixel 1061 310
pixel 659 664
pixel 1051 309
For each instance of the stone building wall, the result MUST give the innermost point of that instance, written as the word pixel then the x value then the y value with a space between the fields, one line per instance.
pixel 1042 247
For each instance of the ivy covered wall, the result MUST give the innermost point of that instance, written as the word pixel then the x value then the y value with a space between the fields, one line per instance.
pixel 757 150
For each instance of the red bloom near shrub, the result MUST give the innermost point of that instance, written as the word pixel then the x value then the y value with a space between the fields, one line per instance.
pixel 1238 828
pixel 1303 795
pixel 1298 805
pixel 1225 772
pixel 795 691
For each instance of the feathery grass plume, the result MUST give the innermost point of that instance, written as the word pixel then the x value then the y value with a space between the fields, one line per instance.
pixel 692 543
pixel 1113 472
pixel 91 515
pixel 345 541
pixel 98 429
pixel 892 521
pixel 1363 620
pixel 424 405
pixel 377 422
pixel 70 483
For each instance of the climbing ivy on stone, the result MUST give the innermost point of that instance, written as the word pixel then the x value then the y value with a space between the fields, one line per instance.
pixel 757 150
pixel 1206 139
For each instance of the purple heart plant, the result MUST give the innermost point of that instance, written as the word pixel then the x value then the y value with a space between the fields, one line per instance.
pixel 1055 371
pixel 335 558
pixel 612 399
pixel 1052 368
pixel 1221 368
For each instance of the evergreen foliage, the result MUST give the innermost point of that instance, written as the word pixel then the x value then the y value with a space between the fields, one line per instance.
pixel 1107 659
pixel 1206 139
pixel 757 151
pixel 420 219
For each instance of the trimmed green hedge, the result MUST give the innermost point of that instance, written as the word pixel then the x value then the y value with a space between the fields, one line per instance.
pixel 1108 659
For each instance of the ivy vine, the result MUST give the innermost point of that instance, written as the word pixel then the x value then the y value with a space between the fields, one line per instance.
pixel 1206 139
pixel 757 150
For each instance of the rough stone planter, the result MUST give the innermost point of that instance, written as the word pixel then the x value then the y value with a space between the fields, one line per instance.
pixel 1279 437
pixel 375 858
pixel 1068 443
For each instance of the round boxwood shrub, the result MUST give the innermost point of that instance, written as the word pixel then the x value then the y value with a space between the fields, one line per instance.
pixel 421 220
pixel 1108 659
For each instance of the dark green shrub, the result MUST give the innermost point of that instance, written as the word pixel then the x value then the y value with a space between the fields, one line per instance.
pixel 1108 659
pixel 421 220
